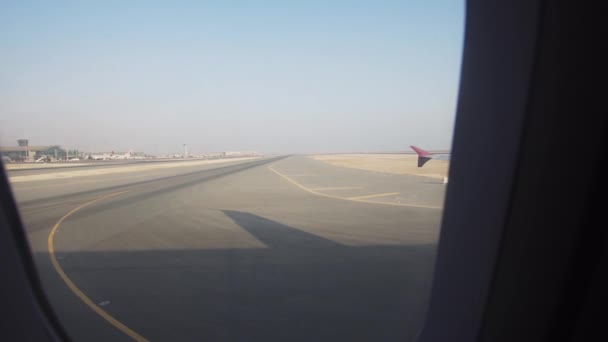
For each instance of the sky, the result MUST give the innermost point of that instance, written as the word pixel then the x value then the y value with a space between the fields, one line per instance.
pixel 266 76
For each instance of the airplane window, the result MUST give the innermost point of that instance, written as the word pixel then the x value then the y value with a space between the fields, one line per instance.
pixel 231 171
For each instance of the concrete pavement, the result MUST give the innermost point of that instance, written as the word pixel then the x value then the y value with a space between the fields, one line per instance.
pixel 272 250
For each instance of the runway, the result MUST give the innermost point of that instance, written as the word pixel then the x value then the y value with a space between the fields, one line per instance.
pixel 269 249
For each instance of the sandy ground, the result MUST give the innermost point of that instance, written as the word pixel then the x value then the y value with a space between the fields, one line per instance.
pixel 128 168
pixel 389 163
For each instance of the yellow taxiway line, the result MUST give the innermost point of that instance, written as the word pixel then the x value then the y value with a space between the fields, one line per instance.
pixel 339 188
pixel 354 199
pixel 121 326
pixel 98 310
pixel 373 196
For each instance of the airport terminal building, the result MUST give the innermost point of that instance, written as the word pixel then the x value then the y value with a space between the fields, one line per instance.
pixel 26 152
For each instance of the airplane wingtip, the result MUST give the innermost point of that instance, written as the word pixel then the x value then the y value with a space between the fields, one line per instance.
pixel 420 151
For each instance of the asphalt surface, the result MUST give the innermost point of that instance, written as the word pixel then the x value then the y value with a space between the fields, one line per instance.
pixel 260 250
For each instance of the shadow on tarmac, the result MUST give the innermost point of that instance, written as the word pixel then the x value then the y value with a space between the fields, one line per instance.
pixel 300 287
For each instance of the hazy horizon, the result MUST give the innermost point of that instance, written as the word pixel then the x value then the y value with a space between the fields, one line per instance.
pixel 275 77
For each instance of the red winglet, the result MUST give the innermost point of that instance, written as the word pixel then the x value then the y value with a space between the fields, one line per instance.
pixel 420 151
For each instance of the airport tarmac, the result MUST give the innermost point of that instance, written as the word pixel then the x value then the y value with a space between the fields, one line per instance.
pixel 270 249
pixel 37 168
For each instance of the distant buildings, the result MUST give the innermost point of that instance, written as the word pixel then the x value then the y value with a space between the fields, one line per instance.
pixel 24 151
